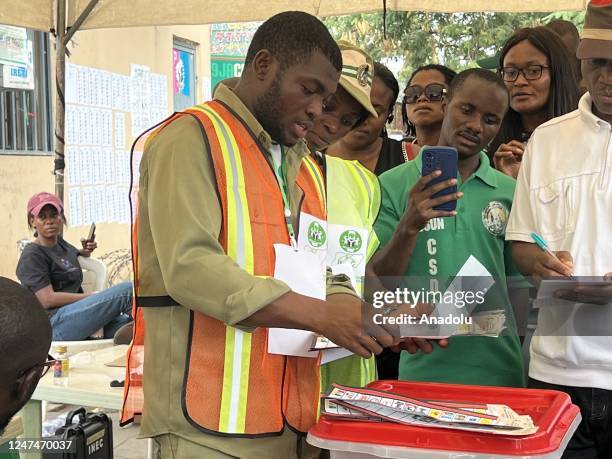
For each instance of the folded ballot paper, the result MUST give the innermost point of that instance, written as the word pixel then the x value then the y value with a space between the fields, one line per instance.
pixel 362 404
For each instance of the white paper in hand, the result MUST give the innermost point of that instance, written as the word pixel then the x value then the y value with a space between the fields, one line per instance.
pixel 304 273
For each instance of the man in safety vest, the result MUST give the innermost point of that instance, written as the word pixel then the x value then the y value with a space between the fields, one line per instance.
pixel 225 210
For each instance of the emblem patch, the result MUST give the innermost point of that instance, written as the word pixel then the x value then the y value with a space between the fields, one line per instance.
pixel 350 241
pixel 495 218
pixel 316 234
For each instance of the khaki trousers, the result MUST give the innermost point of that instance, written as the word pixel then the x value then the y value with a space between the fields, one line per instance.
pixel 289 445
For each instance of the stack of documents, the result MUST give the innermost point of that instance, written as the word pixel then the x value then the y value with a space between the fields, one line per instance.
pixel 362 404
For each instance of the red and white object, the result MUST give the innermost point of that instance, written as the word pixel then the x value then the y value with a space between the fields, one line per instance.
pixel 552 411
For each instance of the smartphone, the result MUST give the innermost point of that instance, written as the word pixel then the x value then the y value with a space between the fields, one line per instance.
pixel 92 233
pixel 443 159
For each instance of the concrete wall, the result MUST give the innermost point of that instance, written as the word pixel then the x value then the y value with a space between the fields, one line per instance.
pixel 113 50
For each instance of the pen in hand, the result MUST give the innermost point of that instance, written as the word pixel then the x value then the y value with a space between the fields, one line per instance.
pixel 541 243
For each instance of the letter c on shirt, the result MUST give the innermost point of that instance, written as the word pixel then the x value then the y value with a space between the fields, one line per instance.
pixel 431 246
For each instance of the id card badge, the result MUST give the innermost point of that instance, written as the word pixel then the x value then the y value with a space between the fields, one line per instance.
pixel 347 250
pixel 313 234
pixel 304 272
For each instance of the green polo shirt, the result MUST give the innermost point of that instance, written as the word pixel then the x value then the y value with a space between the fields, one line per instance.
pixel 442 248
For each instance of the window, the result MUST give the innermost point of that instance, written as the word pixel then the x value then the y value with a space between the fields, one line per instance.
pixel 25 98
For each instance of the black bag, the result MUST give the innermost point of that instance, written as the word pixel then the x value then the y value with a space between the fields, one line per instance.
pixel 92 435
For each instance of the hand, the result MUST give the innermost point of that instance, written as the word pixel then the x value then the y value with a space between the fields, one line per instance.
pixel 344 326
pixel 425 345
pixel 88 247
pixel 507 159
pixel 546 266
pixel 420 205
pixel 413 345
pixel 594 294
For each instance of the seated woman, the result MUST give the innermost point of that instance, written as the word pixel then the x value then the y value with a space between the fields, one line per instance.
pixel 50 269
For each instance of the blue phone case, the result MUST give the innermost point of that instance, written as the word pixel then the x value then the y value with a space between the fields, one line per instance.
pixel 443 159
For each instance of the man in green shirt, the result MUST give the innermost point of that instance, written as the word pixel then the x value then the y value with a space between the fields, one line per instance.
pixel 424 243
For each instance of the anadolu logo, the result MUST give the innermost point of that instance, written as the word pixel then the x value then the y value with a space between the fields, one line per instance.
pixel 316 234
pixel 350 241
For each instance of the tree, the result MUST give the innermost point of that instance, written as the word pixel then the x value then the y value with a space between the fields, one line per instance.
pixel 418 38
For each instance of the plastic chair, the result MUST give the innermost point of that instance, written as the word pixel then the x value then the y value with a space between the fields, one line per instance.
pixel 94 274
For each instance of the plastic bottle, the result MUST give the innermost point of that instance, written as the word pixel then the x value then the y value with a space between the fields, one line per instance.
pixel 61 368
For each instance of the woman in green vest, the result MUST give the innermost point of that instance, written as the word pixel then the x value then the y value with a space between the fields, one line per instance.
pixel 353 197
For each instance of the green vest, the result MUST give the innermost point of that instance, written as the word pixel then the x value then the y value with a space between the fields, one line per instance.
pixel 353 201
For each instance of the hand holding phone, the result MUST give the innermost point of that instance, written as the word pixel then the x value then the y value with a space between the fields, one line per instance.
pixel 92 233
pixel 435 194
pixel 445 160
pixel 89 244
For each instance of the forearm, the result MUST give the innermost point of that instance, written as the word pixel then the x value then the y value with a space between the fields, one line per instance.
pixel 524 256
pixel 58 299
pixel 289 311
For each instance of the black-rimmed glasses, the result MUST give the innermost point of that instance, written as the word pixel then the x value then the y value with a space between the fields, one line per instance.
pixel 531 72
pixel 42 367
pixel 434 93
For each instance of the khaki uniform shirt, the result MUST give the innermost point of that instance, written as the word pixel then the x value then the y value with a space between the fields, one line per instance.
pixel 180 256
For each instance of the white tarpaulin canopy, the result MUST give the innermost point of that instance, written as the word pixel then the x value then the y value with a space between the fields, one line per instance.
pixel 68 16
pixel 39 14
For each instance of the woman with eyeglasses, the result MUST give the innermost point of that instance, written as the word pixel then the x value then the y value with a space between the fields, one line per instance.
pixel 541 80
pixel 422 112
pixel 369 143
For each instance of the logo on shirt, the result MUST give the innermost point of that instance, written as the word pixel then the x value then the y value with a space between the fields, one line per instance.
pixel 64 263
pixel 316 234
pixel 495 218
pixel 350 241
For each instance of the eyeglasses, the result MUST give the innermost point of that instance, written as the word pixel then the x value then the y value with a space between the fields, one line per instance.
pixel 434 93
pixel 42 367
pixel 531 72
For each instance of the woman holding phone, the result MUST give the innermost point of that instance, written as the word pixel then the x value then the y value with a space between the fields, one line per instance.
pixel 49 267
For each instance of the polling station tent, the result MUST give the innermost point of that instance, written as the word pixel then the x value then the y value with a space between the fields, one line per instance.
pixel 65 17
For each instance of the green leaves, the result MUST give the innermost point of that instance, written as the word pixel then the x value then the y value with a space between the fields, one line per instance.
pixel 418 38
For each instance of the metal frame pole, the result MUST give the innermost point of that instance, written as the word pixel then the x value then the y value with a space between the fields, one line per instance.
pixel 60 81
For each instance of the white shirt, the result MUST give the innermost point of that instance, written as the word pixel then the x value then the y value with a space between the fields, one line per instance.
pixel 564 193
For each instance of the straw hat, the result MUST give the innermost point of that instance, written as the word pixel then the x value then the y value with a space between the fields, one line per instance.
pixel 357 74
pixel 596 39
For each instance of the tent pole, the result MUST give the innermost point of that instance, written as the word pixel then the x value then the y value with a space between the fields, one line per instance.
pixel 84 14
pixel 60 80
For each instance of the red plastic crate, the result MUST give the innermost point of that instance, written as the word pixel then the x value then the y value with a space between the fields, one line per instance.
pixel 552 411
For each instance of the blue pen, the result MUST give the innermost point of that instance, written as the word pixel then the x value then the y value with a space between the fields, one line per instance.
pixel 541 243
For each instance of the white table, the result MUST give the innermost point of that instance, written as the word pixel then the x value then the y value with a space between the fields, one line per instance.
pixel 89 386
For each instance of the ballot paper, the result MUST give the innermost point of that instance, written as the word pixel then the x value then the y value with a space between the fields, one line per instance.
pixel 449 319
pixel 368 404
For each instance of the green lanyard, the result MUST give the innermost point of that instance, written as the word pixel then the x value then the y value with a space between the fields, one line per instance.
pixel 281 177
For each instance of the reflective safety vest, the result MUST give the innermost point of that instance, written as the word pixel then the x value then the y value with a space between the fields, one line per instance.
pixel 232 385
pixel 353 199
